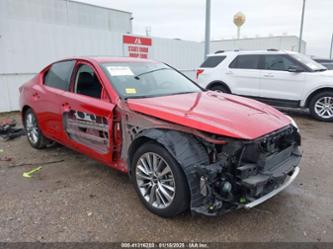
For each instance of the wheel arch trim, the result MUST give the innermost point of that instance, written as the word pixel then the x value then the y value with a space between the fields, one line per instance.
pixel 313 92
pixel 218 82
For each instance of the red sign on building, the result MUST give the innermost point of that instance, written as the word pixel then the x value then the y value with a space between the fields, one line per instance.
pixel 135 46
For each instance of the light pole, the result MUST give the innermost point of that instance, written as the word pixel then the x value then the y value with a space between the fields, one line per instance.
pixel 301 29
pixel 331 50
pixel 207 29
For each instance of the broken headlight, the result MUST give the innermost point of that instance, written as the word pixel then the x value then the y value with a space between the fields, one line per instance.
pixel 293 122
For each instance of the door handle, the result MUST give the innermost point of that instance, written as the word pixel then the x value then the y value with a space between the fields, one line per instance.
pixel 268 75
pixel 229 72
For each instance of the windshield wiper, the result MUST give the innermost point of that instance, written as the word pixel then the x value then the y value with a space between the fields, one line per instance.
pixel 137 77
pixel 184 92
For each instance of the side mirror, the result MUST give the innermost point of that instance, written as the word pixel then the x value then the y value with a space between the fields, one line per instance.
pixel 295 69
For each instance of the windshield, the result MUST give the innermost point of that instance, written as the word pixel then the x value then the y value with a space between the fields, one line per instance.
pixel 142 80
pixel 313 65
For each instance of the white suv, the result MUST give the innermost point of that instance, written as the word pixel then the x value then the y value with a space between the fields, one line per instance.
pixel 280 78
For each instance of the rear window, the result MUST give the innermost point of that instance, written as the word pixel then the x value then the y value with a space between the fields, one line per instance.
pixel 59 75
pixel 277 62
pixel 212 61
pixel 245 62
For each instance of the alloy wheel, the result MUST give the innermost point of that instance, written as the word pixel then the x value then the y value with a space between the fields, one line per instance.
pixel 155 180
pixel 324 107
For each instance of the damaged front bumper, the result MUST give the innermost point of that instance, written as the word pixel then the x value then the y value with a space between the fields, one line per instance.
pixel 264 198
pixel 246 174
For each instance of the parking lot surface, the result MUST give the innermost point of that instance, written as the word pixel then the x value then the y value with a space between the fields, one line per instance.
pixel 81 200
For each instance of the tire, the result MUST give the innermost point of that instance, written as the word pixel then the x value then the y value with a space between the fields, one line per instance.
pixel 34 134
pixel 321 106
pixel 158 202
pixel 220 88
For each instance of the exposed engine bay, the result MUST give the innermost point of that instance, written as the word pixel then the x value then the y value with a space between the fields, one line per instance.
pixel 244 171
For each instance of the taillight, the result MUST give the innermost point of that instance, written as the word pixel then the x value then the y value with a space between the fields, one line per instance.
pixel 199 71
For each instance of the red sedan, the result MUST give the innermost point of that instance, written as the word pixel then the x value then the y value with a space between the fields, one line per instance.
pixel 183 147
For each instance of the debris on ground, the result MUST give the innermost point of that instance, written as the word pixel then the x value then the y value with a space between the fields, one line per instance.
pixel 35 164
pixel 29 173
pixel 8 129
pixel 1 150
pixel 5 159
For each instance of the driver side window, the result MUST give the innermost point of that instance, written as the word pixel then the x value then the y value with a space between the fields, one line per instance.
pixel 87 83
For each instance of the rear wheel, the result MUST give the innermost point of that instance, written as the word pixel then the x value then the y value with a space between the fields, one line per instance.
pixel 159 181
pixel 220 88
pixel 321 106
pixel 34 134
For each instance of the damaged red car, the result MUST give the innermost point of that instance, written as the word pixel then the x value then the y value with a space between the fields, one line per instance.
pixel 183 147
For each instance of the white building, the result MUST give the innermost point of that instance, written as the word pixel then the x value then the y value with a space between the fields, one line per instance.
pixel 66 12
pixel 259 43
pixel 35 33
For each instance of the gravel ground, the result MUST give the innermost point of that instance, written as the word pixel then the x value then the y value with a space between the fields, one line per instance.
pixel 81 200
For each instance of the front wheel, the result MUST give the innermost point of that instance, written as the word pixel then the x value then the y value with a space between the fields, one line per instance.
pixel 321 106
pixel 34 134
pixel 159 181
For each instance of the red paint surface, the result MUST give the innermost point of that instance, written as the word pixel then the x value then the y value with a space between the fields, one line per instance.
pixel 221 114
pixel 216 113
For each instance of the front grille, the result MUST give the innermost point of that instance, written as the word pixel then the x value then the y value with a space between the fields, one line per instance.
pixel 257 151
pixel 265 162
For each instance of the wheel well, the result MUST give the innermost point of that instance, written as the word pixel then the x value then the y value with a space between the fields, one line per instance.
pixel 134 146
pixel 316 92
pixel 218 83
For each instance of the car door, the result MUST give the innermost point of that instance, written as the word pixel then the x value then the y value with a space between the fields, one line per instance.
pixel 87 114
pixel 243 75
pixel 49 95
pixel 279 83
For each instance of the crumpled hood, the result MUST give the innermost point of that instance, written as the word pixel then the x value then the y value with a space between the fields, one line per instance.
pixel 216 113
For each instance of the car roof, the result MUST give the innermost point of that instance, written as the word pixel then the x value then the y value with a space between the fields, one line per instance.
pixel 103 59
pixel 106 59
pixel 244 52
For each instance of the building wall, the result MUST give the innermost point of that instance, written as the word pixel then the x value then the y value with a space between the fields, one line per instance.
pixel 66 12
pixel 277 42
pixel 31 40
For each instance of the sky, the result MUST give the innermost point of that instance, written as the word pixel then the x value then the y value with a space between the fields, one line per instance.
pixel 184 19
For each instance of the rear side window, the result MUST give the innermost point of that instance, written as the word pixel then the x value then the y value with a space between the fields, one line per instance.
pixel 245 62
pixel 59 75
pixel 277 62
pixel 212 61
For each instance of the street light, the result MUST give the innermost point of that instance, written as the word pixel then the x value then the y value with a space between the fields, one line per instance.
pixel 301 29
pixel 331 50
pixel 207 29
